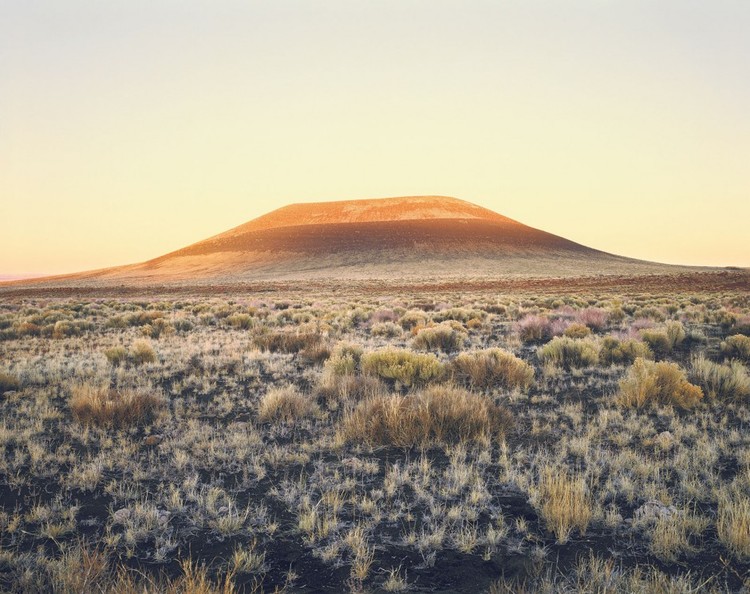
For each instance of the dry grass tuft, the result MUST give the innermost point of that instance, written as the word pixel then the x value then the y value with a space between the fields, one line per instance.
pixel 285 405
pixel 108 407
pixel 8 382
pixel 286 342
pixel 723 381
pixel 490 368
pixel 564 502
pixel 733 524
pixel 657 383
pixel 141 352
pixel 440 415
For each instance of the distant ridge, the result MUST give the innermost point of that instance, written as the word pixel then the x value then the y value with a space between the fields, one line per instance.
pixel 411 237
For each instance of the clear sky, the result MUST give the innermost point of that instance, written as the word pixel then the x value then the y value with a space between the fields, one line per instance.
pixel 129 129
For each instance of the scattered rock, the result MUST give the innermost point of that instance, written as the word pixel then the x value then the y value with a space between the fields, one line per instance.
pixel 121 515
pixel 654 510
pixel 152 440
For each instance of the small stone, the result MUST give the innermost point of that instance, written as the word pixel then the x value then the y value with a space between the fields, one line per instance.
pixel 654 510
pixel 121 515
pixel 152 440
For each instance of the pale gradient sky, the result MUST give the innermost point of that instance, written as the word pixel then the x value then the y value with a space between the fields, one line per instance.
pixel 129 129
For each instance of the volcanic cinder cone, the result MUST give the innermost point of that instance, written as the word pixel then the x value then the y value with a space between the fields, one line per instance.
pixel 414 237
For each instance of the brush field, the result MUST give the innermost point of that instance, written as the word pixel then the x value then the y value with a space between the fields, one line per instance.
pixel 322 441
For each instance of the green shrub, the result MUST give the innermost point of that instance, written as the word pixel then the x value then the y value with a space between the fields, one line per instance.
pixel 386 329
pixel 663 341
pixel 614 351
pixel 569 353
pixel 657 383
pixel 439 338
pixel 412 319
pixel 723 381
pixel 239 321
pixel 438 415
pixel 117 355
pixel 490 368
pixel 577 330
pixel 402 366
pixel 737 347
pixel 344 359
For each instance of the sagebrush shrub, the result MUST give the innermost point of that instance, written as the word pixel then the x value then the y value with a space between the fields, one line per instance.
pixel 344 359
pixel 533 328
pixel 492 368
pixel 117 355
pixel 439 415
pixel 569 353
pixel 439 338
pixel 614 351
pixel 577 330
pixel 736 347
pixel 593 317
pixel 663 383
pixel 403 366
pixel 663 341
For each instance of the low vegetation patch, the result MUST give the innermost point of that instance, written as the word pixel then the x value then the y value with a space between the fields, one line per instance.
pixel 8 382
pixel 403 366
pixel 439 415
pixel 663 383
pixel 490 368
pixel 663 340
pixel 285 405
pixel 737 347
pixel 286 342
pixel 733 523
pixel 569 353
pixel 439 338
pixel 563 501
pixel 729 381
pixel 118 408
pixel 618 352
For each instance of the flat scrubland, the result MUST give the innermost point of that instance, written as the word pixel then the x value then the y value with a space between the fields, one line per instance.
pixel 462 439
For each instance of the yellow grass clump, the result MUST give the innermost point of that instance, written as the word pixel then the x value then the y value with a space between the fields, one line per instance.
pixel 564 502
pixel 492 368
pixel 286 405
pixel 733 524
pixel 108 407
pixel 439 415
pixel 657 383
